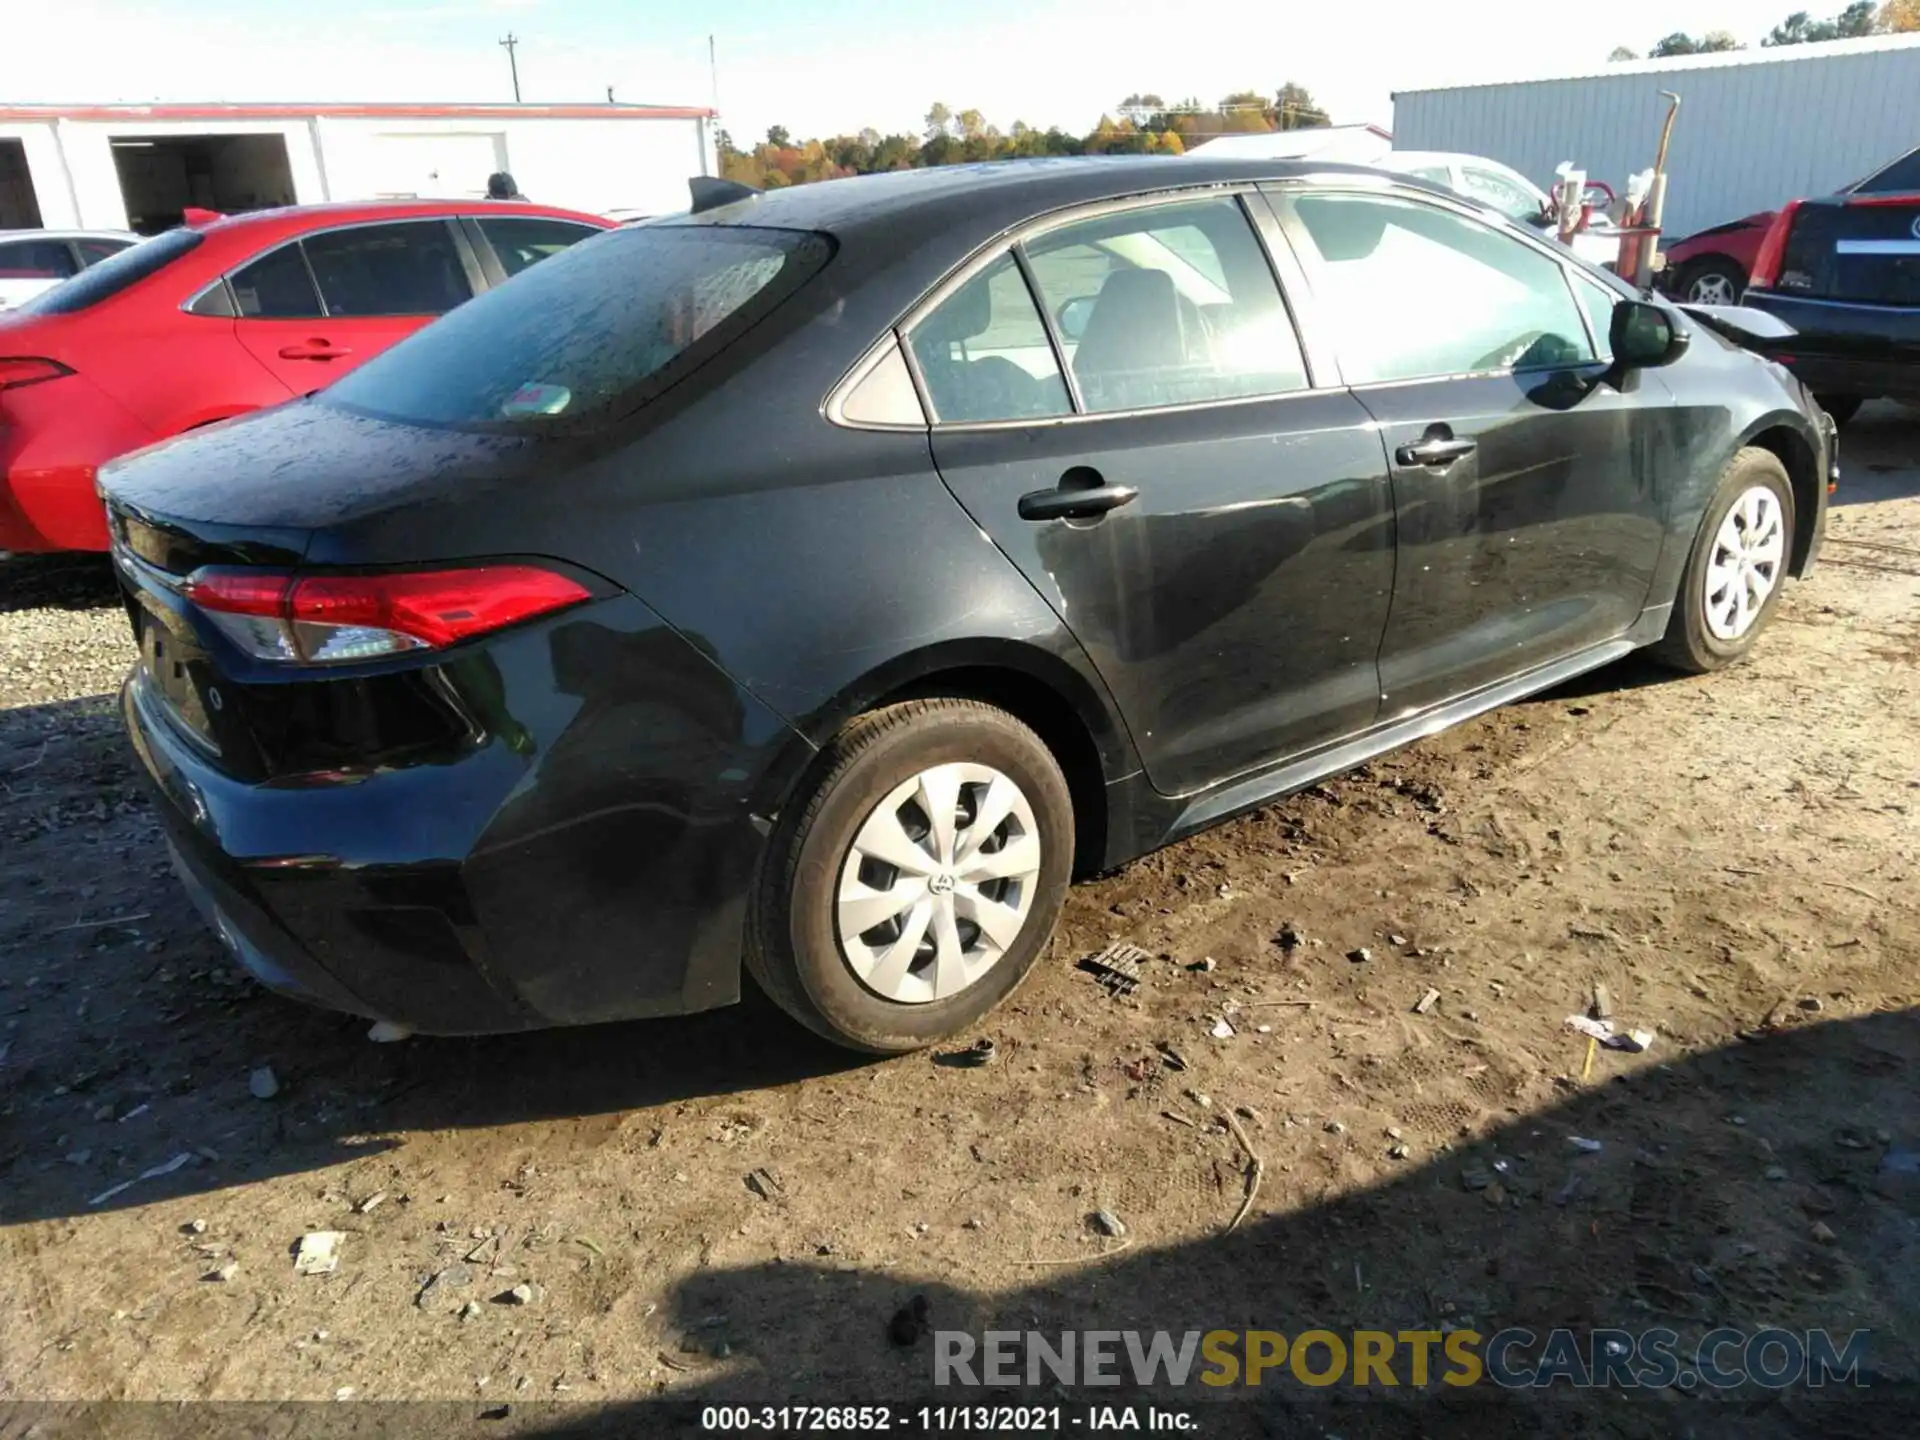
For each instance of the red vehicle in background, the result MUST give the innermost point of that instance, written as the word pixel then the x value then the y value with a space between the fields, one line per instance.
pixel 1715 265
pixel 223 316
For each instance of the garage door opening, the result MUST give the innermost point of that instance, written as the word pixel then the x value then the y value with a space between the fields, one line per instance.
pixel 19 206
pixel 163 177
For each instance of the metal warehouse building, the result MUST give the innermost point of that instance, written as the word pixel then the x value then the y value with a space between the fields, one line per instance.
pixel 139 167
pixel 1756 127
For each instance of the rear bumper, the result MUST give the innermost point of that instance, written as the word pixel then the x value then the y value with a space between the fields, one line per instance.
pixel 593 865
pixel 1847 350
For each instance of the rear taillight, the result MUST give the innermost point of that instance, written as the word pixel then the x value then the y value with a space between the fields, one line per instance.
pixel 18 370
pixel 338 619
pixel 1766 265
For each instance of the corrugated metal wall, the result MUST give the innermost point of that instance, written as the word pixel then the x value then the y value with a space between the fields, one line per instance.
pixel 1749 136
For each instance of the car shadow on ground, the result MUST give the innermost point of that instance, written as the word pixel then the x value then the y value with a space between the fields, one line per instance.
pixel 1773 1183
pixel 1880 455
pixel 66 582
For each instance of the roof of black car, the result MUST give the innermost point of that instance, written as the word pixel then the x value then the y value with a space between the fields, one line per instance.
pixel 995 194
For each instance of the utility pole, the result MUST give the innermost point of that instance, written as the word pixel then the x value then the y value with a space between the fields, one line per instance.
pixel 513 62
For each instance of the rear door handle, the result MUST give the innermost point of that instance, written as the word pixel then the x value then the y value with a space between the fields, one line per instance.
pixel 314 350
pixel 1080 504
pixel 1436 450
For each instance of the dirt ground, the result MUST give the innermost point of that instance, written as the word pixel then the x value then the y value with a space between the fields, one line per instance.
pixel 723 1208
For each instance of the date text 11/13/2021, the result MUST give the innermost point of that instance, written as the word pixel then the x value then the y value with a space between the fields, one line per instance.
pixel 941 1419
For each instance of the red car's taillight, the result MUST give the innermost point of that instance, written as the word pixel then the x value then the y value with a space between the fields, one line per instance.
pixel 1766 265
pixel 338 619
pixel 18 370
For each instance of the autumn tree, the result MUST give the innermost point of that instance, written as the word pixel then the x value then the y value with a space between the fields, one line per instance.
pixel 939 121
pixel 1898 17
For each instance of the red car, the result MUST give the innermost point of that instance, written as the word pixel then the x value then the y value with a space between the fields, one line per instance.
pixel 218 318
pixel 1712 266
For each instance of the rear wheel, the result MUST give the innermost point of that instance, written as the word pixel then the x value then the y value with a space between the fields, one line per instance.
pixel 916 881
pixel 1738 566
pixel 1715 280
pixel 1841 407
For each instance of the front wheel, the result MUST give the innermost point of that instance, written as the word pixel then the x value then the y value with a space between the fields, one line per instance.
pixel 915 882
pixel 1738 566
pixel 1716 281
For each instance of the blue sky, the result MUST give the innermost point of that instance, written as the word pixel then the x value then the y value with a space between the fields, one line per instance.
pixel 823 67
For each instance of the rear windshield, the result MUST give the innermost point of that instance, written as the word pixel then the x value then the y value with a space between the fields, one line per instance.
pixel 1865 252
pixel 589 334
pixel 114 274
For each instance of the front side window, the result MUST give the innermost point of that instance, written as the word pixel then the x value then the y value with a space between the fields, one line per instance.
pixel 1599 303
pixel 410 268
pixel 592 333
pixel 36 260
pixel 519 243
pixel 1412 291
pixel 1167 305
pixel 984 355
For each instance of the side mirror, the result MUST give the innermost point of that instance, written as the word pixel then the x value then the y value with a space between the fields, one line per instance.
pixel 1073 316
pixel 1644 336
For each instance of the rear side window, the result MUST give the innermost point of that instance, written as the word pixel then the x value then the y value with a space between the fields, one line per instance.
pixel 518 243
pixel 1413 291
pixel 984 353
pixel 277 286
pixel 1898 178
pixel 115 273
pixel 36 260
pixel 1869 253
pixel 405 269
pixel 590 334
pixel 1498 192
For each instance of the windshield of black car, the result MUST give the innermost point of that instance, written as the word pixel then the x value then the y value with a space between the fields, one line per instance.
pixel 113 274
pixel 589 334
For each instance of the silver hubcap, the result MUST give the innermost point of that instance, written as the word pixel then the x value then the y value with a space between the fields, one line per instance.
pixel 1747 554
pixel 938 882
pixel 1712 290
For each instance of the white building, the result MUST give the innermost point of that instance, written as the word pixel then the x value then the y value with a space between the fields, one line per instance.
pixel 138 167
pixel 1756 127
pixel 1348 144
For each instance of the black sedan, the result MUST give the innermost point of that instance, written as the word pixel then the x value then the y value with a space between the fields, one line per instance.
pixel 1844 274
pixel 820 580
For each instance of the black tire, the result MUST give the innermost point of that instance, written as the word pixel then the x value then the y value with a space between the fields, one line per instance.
pixel 793 947
pixel 1714 272
pixel 1689 645
pixel 1841 407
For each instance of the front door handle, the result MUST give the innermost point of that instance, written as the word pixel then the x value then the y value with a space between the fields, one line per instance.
pixel 1075 502
pixel 1435 450
pixel 315 349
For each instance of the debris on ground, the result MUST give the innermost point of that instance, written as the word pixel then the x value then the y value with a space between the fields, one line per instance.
pixel 319 1253
pixel 981 1053
pixel 1584 1145
pixel 455 1277
pixel 521 1294
pixel 1426 1002
pixel 1173 1058
pixel 1117 968
pixel 185 1157
pixel 1631 1041
pixel 1108 1224
pixel 1289 939
pixel 222 1273
pixel 386 1032
pixel 909 1322
pixel 371 1203
pixel 263 1084
pixel 1222 1029
pixel 194 1227
pixel 1601 1007
pixel 1256 1170
pixel 765 1184
pixel 1204 966
pixel 1359 955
